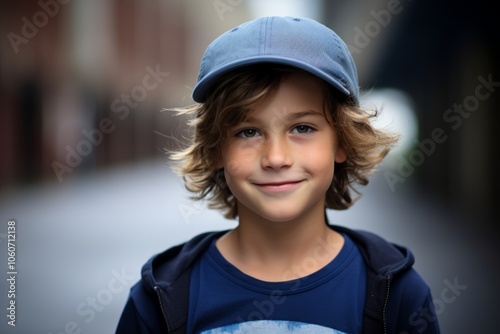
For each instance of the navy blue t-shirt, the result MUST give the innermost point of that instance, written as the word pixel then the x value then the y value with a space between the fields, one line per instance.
pixel 225 300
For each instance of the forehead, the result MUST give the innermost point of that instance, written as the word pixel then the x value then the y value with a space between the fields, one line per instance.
pixel 243 92
pixel 298 94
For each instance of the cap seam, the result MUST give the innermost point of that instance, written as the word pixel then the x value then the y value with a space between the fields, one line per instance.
pixel 262 35
pixel 269 31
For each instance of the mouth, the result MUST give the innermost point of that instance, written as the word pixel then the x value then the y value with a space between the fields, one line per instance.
pixel 277 187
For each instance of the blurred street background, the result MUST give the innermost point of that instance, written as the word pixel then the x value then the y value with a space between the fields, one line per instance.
pixel 83 129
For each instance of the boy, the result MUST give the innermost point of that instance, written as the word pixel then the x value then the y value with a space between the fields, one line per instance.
pixel 280 137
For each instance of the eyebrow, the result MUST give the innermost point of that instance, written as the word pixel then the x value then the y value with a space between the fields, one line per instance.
pixel 293 116
pixel 305 113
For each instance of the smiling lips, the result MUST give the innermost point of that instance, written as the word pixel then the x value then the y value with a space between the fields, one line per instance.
pixel 278 187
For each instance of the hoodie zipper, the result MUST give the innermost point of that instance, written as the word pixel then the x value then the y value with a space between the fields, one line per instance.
pixel 386 300
pixel 157 289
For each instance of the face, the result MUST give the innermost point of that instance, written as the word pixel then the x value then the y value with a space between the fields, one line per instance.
pixel 279 162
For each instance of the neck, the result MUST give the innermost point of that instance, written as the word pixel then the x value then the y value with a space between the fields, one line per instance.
pixel 280 251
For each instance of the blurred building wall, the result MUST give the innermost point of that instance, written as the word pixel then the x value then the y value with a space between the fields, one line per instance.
pixel 67 66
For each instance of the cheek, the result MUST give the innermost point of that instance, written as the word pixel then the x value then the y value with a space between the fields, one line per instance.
pixel 320 163
pixel 238 160
pixel 237 168
pixel 320 158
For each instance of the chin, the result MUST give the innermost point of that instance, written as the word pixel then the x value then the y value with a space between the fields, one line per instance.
pixel 280 214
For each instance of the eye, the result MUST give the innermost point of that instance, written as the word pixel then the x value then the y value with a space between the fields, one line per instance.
pixel 302 129
pixel 247 133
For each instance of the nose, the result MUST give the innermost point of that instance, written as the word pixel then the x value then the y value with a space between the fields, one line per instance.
pixel 276 154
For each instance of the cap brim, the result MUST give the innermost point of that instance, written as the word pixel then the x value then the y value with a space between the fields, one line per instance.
pixel 202 87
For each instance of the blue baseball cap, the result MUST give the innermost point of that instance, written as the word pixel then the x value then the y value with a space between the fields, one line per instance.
pixel 298 42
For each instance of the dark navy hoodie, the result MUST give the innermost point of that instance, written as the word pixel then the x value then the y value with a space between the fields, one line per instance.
pixel 397 299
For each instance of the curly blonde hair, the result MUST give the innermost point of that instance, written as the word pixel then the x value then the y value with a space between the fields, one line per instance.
pixel 241 91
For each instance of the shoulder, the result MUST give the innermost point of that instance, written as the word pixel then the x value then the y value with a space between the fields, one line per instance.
pixel 163 289
pixel 165 267
pixel 141 313
pixel 411 306
pixel 381 257
pixel 394 284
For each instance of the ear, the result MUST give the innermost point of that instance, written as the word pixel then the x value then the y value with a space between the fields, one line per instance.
pixel 340 155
